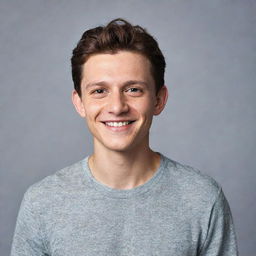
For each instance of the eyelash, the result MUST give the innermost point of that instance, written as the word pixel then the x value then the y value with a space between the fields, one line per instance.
pixel 137 89
pixel 97 91
pixel 101 91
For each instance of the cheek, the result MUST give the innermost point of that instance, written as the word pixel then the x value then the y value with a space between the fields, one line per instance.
pixel 92 110
pixel 145 110
pixel 145 107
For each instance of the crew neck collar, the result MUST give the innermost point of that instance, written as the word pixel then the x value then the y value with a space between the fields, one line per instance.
pixel 123 193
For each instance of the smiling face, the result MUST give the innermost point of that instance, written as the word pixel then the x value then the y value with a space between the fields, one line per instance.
pixel 119 100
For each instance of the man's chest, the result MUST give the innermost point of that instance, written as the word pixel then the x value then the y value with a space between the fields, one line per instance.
pixel 121 228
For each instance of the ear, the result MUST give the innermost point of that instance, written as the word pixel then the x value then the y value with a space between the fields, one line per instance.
pixel 78 103
pixel 161 99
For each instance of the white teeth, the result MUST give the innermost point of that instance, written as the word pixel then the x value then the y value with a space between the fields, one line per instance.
pixel 117 124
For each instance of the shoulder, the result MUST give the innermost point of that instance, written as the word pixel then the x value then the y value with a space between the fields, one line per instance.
pixel 190 183
pixel 59 183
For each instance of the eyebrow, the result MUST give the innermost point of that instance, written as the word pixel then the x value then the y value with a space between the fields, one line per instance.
pixel 127 83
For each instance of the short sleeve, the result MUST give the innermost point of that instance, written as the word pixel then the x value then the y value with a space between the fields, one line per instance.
pixel 28 239
pixel 221 238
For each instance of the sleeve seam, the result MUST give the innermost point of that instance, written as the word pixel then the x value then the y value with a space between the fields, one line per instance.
pixel 209 220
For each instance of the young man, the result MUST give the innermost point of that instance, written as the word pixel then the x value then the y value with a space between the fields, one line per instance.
pixel 124 199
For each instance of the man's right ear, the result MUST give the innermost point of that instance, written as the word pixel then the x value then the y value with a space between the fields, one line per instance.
pixel 78 103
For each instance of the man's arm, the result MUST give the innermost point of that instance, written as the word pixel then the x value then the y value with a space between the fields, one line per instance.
pixel 28 239
pixel 221 238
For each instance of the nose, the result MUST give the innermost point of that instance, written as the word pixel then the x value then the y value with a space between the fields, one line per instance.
pixel 117 104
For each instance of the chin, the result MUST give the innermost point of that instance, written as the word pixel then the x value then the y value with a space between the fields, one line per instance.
pixel 119 144
pixel 119 147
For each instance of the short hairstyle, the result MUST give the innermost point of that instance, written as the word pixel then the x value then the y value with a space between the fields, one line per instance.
pixel 116 36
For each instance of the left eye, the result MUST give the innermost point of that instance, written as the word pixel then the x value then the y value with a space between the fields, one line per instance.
pixel 133 90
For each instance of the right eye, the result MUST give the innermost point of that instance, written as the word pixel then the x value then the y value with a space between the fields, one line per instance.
pixel 98 91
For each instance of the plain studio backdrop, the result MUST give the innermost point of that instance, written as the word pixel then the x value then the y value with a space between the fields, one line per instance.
pixel 209 121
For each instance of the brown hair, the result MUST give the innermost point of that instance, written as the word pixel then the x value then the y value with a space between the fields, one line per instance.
pixel 115 36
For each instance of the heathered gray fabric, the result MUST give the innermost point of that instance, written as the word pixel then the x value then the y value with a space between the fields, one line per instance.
pixel 178 212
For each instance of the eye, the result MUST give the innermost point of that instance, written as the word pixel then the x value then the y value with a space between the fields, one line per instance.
pixel 134 91
pixel 98 91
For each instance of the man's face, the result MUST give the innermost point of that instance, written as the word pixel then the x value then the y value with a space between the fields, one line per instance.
pixel 119 100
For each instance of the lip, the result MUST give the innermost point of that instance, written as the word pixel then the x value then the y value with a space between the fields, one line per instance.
pixel 118 128
pixel 108 121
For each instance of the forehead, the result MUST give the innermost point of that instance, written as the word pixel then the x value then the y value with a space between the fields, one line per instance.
pixel 121 66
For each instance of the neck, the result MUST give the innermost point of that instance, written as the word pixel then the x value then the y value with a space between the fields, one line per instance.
pixel 124 170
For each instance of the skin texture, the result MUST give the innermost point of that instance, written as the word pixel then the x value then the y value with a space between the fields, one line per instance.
pixel 119 87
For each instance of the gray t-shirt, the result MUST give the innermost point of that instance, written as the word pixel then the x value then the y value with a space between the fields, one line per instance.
pixel 178 212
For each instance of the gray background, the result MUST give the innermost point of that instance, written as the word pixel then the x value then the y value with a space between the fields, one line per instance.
pixel 209 121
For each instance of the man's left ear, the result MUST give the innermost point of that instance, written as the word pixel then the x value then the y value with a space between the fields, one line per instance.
pixel 161 100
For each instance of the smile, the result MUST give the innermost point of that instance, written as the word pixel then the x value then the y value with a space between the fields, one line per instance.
pixel 117 124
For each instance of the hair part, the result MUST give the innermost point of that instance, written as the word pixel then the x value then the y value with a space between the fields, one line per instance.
pixel 117 35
